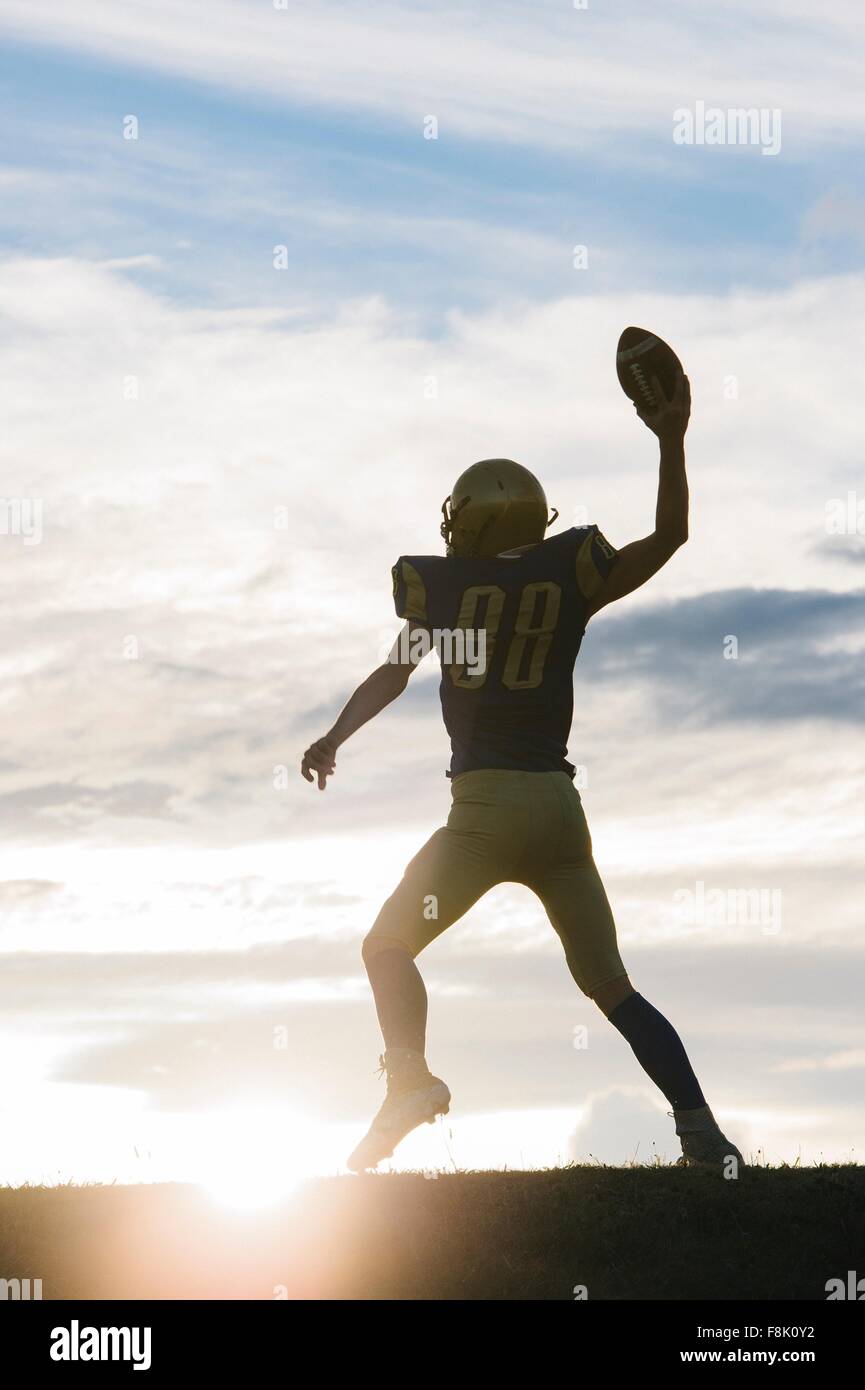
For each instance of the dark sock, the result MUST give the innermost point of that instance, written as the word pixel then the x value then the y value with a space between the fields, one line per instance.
pixel 400 999
pixel 659 1051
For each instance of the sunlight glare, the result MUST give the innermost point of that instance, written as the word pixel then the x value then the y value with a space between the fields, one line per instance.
pixel 257 1157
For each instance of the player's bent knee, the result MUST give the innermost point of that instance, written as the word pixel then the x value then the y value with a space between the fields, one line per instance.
pixel 610 995
pixel 375 942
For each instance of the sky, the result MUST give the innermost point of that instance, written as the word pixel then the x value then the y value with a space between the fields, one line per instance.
pixel 271 277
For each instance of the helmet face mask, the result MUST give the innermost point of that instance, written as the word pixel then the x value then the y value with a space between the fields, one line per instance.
pixel 496 505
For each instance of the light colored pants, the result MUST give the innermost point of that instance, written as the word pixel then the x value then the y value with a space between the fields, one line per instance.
pixel 508 827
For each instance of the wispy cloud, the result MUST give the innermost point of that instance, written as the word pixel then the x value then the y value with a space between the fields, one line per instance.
pixel 541 75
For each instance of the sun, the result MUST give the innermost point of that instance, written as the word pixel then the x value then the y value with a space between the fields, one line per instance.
pixel 250 1192
pixel 256 1157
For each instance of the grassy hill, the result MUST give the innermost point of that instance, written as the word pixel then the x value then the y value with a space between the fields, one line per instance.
pixel 649 1233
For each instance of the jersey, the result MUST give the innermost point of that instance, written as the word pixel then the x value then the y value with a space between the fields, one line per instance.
pixel 508 630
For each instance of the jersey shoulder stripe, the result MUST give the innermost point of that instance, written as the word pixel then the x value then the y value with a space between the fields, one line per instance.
pixel 409 592
pixel 595 559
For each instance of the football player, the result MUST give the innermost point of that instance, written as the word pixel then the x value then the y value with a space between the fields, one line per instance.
pixel 516 815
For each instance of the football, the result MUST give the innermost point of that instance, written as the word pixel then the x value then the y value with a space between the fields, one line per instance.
pixel 641 355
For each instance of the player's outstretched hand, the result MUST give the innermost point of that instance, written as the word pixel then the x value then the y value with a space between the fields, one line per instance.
pixel 319 760
pixel 670 420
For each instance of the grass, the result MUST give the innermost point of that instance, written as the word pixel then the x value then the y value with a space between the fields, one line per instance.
pixel 624 1233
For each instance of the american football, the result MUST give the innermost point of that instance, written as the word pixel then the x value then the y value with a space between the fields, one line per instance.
pixel 641 355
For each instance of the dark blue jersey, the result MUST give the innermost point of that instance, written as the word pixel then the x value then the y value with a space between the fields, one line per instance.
pixel 508 630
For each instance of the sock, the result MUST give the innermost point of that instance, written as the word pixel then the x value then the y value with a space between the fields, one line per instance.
pixel 659 1051
pixel 406 1069
pixel 700 1121
pixel 400 999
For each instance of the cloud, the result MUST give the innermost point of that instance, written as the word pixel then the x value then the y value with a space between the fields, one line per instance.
pixel 851 1060
pixel 622 1126
pixel 148 262
pixel 540 76
pixel 837 215
pixel 848 549
pixel 67 803
pixel 24 892
pixel 798 656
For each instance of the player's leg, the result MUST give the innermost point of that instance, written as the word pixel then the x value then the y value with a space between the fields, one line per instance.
pixel 661 1053
pixel 453 869
pixel 414 1095
pixel 577 905
pixel 456 866
pixel 399 993
pixel 654 1042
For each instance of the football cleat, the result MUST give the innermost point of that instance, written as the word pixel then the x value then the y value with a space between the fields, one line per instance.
pixel 414 1097
pixel 703 1144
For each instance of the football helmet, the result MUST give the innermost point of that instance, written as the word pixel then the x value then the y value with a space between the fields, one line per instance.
pixel 495 505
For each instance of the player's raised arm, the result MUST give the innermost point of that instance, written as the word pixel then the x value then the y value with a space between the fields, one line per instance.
pixel 637 562
pixel 378 690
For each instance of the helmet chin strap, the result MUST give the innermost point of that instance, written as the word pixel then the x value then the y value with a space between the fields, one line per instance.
pixel 554 517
